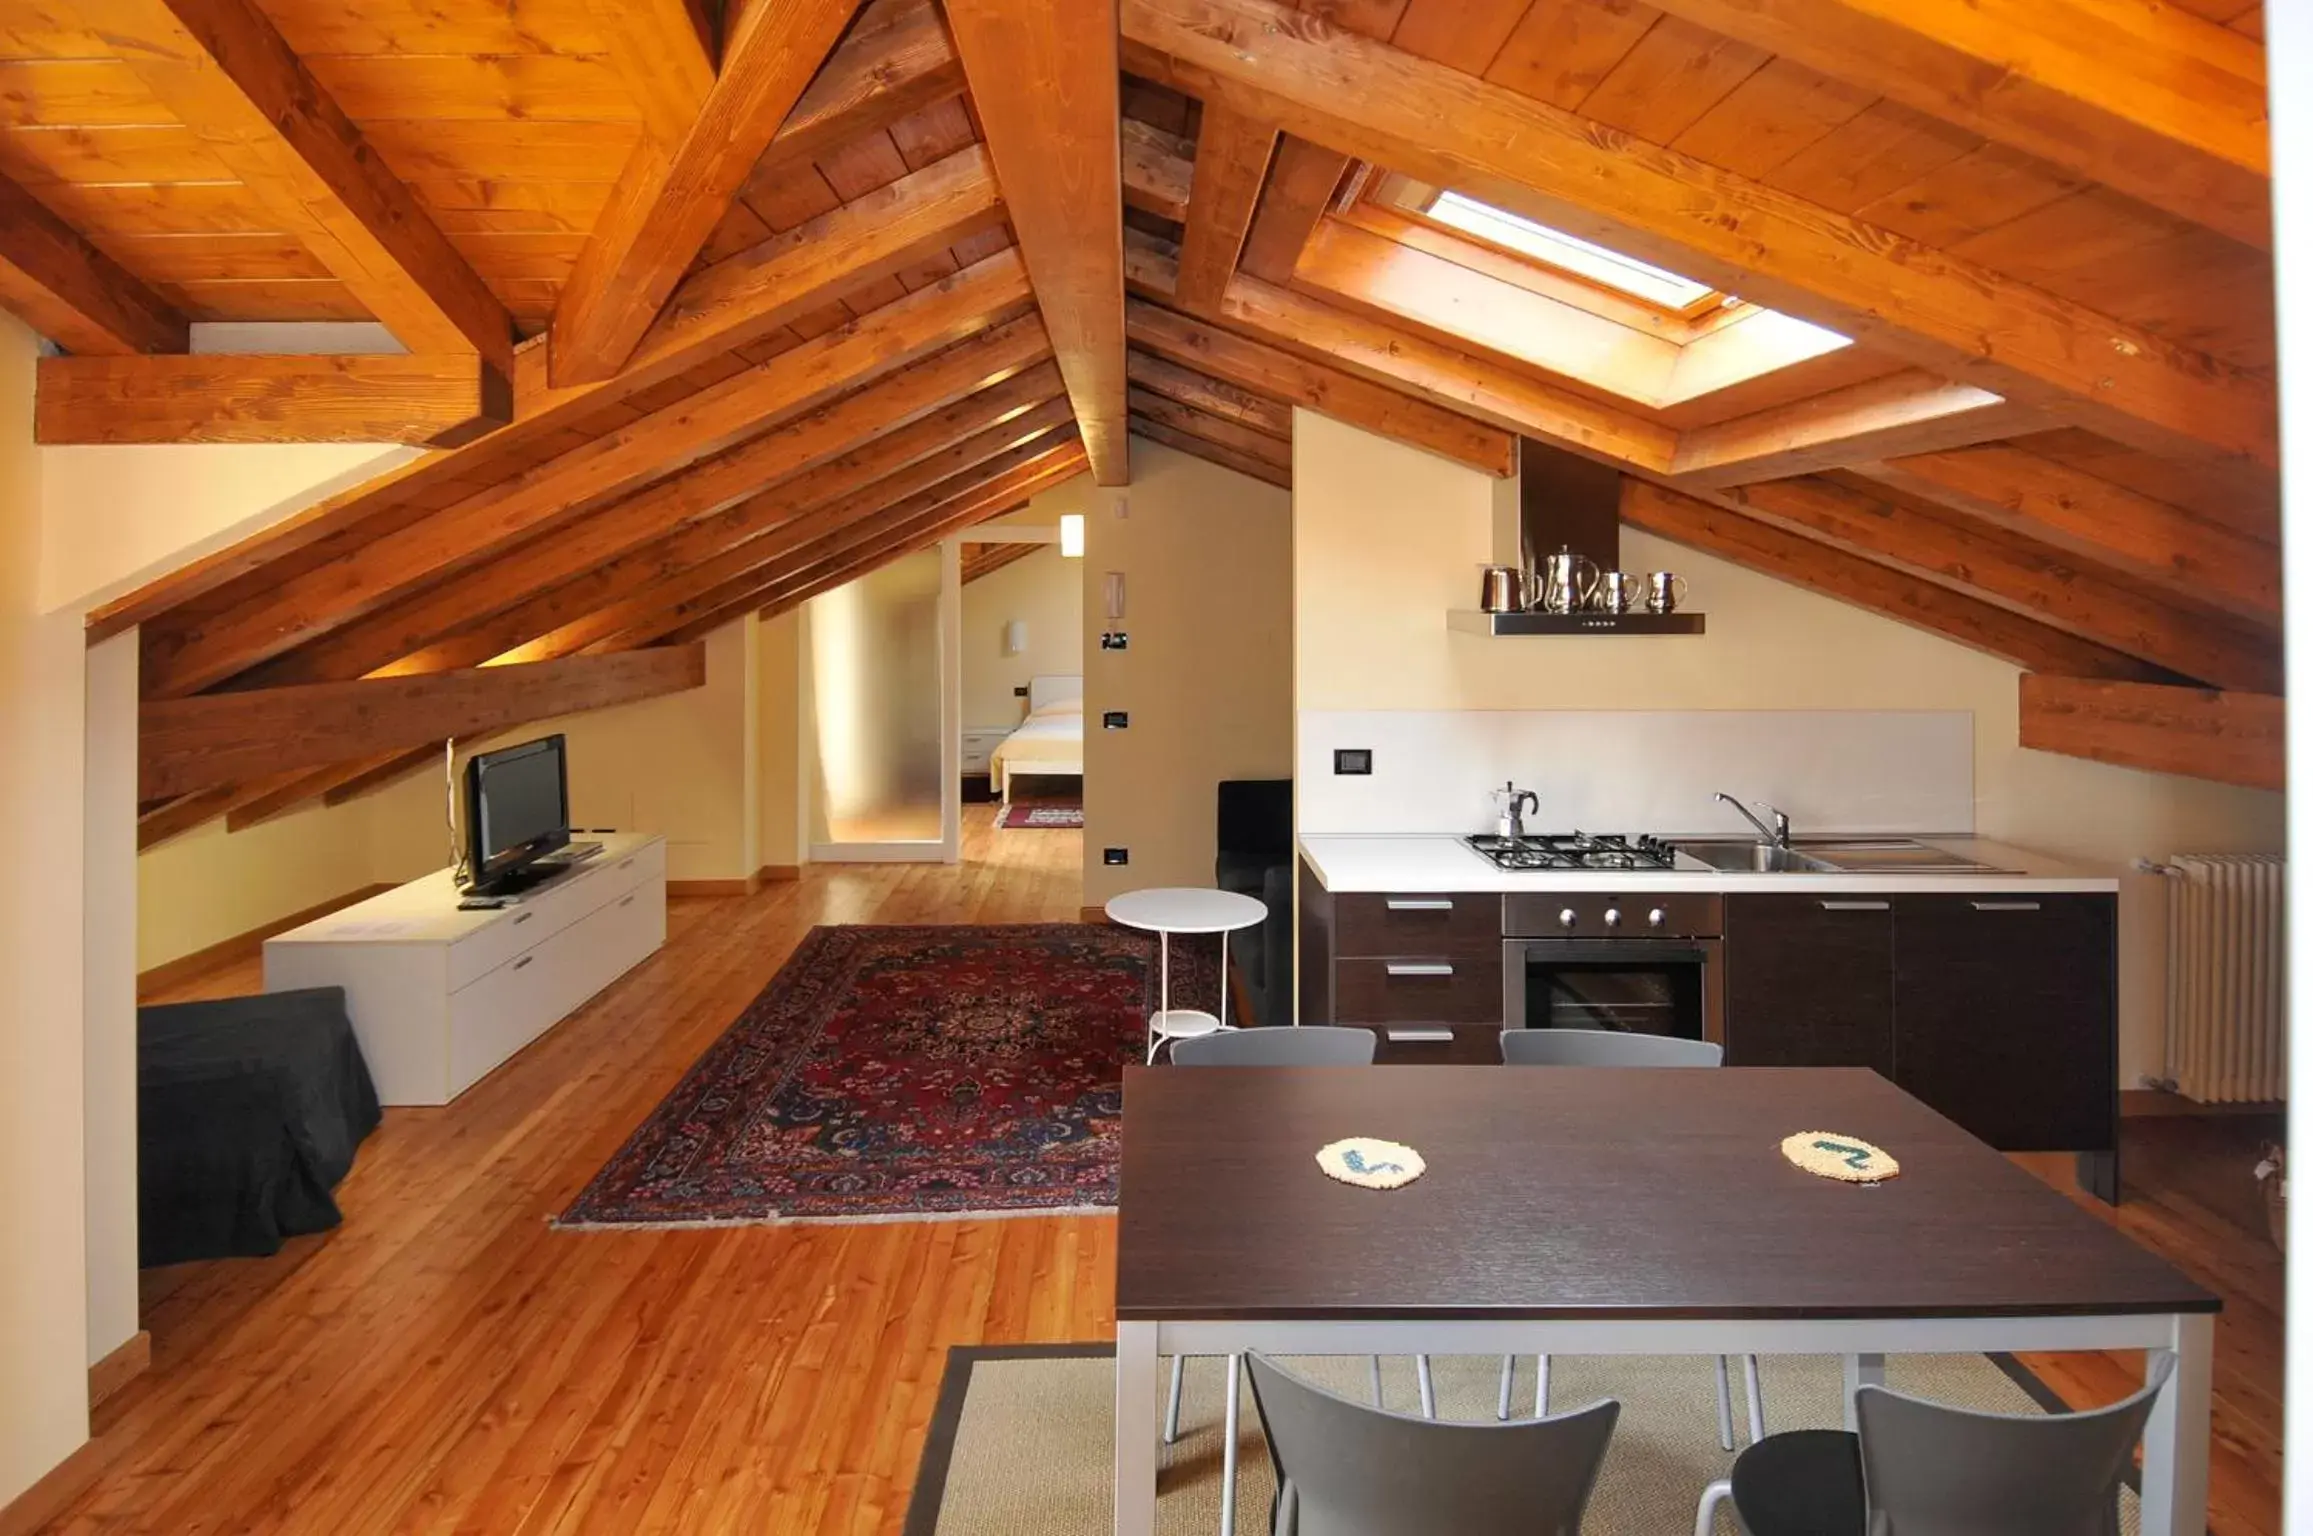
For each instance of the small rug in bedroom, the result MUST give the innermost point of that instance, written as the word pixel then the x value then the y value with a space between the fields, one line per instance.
pixel 889 1073
pixel 1018 815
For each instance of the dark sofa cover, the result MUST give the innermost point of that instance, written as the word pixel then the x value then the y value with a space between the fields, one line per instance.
pixel 249 1110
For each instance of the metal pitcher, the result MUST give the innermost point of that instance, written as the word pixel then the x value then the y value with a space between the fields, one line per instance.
pixel 1617 592
pixel 1501 589
pixel 1664 592
pixel 1568 580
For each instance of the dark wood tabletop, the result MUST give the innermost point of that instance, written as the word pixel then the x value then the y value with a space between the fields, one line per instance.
pixel 1591 1192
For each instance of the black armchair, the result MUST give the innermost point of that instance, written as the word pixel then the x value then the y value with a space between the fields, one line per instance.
pixel 1255 857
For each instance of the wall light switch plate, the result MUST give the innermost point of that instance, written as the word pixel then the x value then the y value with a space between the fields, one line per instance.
pixel 1020 692
pixel 1114 720
pixel 1353 759
pixel 1114 640
pixel 1116 856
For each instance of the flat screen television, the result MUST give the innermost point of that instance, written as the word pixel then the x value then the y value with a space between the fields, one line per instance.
pixel 517 811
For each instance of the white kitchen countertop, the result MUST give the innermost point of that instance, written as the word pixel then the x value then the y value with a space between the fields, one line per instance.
pixel 1346 863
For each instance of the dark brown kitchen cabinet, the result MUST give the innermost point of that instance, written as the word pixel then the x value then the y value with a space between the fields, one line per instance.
pixel 1810 982
pixel 2004 1015
pixel 1422 970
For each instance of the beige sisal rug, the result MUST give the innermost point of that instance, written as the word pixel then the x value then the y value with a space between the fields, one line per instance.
pixel 1021 1445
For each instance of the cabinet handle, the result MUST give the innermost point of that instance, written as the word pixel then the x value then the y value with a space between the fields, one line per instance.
pixel 627 862
pixel 1420 1036
pixel 525 960
pixel 1853 906
pixel 628 902
pixel 1421 903
pixel 1418 968
pixel 523 917
pixel 2005 906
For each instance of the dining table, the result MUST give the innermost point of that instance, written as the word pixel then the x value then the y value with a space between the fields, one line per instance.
pixel 1614 1211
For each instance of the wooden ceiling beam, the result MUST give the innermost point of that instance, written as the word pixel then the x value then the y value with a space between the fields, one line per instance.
pixel 992 500
pixel 1270 371
pixel 1233 153
pixel 1909 412
pixel 436 401
pixel 1834 573
pixel 376 773
pixel 1044 80
pixel 178 814
pixel 987 559
pixel 538 586
pixel 363 579
pixel 284 793
pixel 1197 445
pixel 1158 170
pixel 185 746
pixel 1971 323
pixel 2233 738
pixel 221 67
pixel 774 524
pixel 669 198
pixel 2097 521
pixel 2151 100
pixel 665 50
pixel 71 292
pixel 1149 406
pixel 1439 375
pixel 1301 187
pixel 896 60
pixel 838 537
pixel 1214 397
pixel 2030 578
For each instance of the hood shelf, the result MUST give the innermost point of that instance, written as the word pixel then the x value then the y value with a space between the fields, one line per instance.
pixel 1469 621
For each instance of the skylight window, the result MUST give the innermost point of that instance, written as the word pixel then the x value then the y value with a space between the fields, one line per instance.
pixel 1595 263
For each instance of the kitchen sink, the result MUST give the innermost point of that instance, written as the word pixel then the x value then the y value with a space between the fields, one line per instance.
pixel 1831 856
pixel 1740 855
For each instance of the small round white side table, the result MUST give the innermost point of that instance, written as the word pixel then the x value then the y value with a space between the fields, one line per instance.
pixel 1165 911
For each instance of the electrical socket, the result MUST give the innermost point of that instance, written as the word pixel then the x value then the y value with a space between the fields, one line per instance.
pixel 1114 856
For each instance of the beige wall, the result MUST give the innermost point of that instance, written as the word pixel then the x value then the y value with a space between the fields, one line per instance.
pixel 43 1263
pixel 779 748
pixel 1043 591
pixel 1207 559
pixel 1387 538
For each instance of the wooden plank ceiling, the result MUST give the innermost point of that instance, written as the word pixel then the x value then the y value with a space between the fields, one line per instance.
pixel 715 312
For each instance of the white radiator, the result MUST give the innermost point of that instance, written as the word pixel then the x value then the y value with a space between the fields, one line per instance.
pixel 2227 993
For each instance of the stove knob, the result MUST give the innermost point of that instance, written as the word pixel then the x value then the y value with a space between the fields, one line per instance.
pixel 1655 918
pixel 1566 917
pixel 1613 917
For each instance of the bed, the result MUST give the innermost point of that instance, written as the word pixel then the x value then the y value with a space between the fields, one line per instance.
pixel 1051 739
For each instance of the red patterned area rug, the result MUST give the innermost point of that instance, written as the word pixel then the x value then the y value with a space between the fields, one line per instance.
pixel 901 1073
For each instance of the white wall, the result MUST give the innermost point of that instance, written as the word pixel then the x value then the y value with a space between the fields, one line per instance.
pixel 43 1267
pixel 1207 682
pixel 1042 590
pixel 1387 538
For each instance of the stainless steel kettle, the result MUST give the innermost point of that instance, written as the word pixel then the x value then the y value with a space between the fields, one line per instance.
pixel 1568 580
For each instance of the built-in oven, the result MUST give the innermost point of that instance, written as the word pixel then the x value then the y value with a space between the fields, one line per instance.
pixel 1646 964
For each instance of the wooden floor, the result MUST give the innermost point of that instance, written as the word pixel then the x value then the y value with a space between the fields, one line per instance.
pixel 447 1363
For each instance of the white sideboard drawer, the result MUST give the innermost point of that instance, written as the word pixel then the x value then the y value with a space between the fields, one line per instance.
pixel 552 908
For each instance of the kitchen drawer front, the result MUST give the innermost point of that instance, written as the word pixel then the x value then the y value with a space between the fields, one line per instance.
pixel 1427 923
pixel 1433 989
pixel 1437 1045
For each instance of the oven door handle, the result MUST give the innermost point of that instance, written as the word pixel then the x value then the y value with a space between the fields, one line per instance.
pixel 1633 952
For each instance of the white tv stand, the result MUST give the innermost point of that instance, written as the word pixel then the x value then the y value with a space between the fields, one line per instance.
pixel 439 996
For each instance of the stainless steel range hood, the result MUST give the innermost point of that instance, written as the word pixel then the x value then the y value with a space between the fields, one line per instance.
pixel 1564 501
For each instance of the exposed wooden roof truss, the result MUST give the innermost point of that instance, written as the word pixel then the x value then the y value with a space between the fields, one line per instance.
pixel 707 314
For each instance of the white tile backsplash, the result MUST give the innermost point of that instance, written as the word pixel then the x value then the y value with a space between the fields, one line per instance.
pixel 1641 770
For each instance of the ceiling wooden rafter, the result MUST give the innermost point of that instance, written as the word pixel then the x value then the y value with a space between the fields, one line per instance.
pixel 788 333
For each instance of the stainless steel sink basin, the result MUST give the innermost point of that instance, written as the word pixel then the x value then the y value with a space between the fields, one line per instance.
pixel 1829 856
pixel 1745 856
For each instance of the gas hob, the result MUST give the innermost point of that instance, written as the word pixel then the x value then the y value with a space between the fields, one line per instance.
pixel 1573 850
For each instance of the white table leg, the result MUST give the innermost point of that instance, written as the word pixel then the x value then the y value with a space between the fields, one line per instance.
pixel 1860 1371
pixel 2176 1438
pixel 1236 1390
pixel 1136 1429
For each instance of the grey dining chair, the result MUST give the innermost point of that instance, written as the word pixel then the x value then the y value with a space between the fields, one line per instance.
pixel 1613 1048
pixel 1916 1468
pixel 1344 1469
pixel 1283 1046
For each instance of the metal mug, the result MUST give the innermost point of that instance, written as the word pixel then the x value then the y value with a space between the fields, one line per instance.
pixel 1568 580
pixel 1617 592
pixel 1501 589
pixel 1664 592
